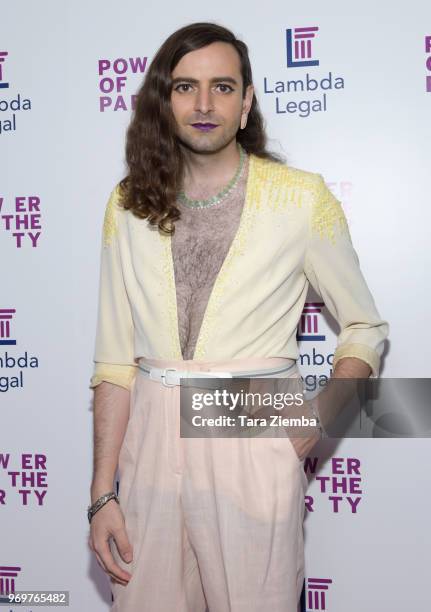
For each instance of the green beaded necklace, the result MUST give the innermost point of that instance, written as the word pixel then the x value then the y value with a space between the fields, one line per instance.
pixel 222 194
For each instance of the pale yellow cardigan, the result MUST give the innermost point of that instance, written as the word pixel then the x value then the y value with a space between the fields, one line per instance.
pixel 292 231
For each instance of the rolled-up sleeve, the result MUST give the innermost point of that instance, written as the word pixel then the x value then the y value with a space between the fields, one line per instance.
pixel 114 346
pixel 332 267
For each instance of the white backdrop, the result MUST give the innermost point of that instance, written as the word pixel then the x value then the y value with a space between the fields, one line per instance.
pixel 61 155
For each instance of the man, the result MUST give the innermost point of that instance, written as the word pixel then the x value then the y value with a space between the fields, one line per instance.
pixel 208 248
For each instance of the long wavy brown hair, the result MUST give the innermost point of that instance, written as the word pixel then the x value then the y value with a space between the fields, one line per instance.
pixel 153 154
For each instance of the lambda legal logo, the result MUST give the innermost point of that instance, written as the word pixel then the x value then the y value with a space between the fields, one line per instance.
pixel 9 108
pixel 8 573
pixel 3 55
pixel 316 593
pixel 308 328
pixel 12 366
pixel 6 315
pixel 302 94
pixel 298 47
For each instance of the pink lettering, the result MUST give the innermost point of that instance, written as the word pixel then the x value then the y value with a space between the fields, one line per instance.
pixel 121 82
pixel 20 204
pixel 138 63
pixel 107 85
pixel 335 503
pixel 14 476
pixel 7 219
pixel 4 460
pixel 120 103
pixel 33 203
pixel 40 495
pixel 353 503
pixel 309 501
pixel 104 102
pixel 18 236
pixel 24 495
pixel 323 480
pixel 35 221
pixel 120 66
pixel 104 65
pixel 41 479
pixel 39 461
pixel 354 485
pixel 34 238
pixel 21 221
pixel 337 464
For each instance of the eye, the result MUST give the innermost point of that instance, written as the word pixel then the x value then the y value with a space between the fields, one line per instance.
pixel 177 88
pixel 227 89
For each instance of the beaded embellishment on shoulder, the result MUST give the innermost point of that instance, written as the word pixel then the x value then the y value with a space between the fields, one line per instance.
pixel 285 187
pixel 327 214
pixel 110 219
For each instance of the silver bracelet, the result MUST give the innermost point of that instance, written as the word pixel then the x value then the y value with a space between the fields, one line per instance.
pixel 103 499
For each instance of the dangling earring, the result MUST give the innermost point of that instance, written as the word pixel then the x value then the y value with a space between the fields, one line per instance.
pixel 243 122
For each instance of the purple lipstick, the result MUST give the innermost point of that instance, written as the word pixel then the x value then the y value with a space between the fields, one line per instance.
pixel 204 127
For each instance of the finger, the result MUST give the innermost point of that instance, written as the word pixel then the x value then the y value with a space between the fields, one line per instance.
pixel 102 565
pixel 99 561
pixel 123 545
pixel 111 567
pixel 112 576
pixel 115 581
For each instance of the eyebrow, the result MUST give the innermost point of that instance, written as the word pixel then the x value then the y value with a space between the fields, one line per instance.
pixel 226 79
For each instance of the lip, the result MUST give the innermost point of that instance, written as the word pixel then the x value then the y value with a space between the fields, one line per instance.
pixel 204 127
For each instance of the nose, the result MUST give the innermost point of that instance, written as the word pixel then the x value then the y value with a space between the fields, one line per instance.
pixel 203 100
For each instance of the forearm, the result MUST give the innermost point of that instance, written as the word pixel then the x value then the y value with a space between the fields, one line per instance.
pixel 351 367
pixel 336 395
pixel 111 415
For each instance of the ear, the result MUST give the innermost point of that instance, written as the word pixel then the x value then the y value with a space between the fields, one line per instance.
pixel 246 105
pixel 248 99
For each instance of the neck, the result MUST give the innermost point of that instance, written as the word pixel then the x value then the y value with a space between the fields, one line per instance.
pixel 206 172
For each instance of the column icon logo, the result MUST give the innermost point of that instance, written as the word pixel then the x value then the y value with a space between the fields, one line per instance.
pixel 308 328
pixel 6 315
pixel 298 47
pixel 3 84
pixel 8 573
pixel 316 593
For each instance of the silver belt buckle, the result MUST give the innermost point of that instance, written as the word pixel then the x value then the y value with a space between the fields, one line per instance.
pixel 164 377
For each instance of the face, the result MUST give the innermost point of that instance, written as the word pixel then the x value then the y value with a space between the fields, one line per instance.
pixel 206 98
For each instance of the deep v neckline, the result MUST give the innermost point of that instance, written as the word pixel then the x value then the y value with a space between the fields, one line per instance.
pixel 211 305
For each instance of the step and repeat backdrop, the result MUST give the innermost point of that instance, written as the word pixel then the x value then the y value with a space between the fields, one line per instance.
pixel 345 93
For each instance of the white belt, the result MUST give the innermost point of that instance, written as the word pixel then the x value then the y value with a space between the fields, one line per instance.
pixel 170 377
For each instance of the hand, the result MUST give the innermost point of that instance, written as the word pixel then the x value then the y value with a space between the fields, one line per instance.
pixel 303 446
pixel 304 443
pixel 306 436
pixel 107 522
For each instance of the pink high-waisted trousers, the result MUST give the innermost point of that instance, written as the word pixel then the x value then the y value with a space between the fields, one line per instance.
pixel 216 524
